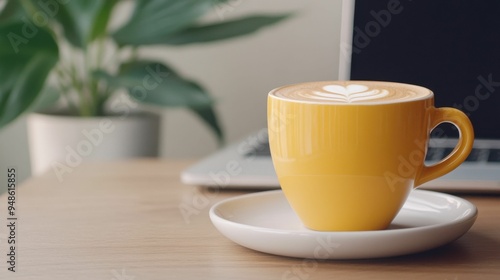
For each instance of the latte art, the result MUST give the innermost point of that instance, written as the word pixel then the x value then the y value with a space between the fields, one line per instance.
pixel 346 92
pixel 350 93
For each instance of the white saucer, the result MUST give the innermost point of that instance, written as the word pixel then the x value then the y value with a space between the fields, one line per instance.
pixel 265 222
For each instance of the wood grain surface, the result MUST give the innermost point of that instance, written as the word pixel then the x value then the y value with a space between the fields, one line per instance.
pixel 135 220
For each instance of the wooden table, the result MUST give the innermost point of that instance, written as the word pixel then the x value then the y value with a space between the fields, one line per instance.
pixel 135 220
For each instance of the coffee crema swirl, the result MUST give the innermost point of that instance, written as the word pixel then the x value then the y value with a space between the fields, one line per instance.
pixel 346 92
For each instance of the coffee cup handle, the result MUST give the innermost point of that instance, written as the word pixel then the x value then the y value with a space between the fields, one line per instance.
pixel 461 151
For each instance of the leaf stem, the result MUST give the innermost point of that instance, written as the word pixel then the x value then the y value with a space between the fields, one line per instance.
pixel 64 86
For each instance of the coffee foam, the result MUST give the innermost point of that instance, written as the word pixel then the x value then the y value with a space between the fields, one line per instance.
pixel 347 92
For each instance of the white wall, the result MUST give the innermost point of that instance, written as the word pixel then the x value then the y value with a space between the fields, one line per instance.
pixel 239 73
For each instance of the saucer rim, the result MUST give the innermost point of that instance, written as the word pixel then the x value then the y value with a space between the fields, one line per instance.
pixel 467 218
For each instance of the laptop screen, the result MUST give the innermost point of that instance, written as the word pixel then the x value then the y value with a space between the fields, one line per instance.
pixel 449 46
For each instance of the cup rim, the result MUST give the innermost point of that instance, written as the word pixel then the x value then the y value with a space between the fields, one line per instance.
pixel 429 94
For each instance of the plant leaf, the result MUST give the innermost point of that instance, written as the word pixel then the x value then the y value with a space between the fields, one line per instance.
pixel 82 20
pixel 153 19
pixel 25 65
pixel 208 115
pixel 102 18
pixel 157 84
pixel 221 31
pixel 22 95
pixel 12 11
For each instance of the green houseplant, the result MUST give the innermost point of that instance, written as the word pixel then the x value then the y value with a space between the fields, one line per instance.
pixel 70 41
pixel 70 55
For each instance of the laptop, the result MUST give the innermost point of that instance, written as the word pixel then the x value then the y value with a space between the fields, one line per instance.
pixel 448 46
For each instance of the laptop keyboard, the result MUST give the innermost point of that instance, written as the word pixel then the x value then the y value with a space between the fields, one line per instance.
pixel 260 150
pixel 434 154
pixel 494 155
pixel 476 155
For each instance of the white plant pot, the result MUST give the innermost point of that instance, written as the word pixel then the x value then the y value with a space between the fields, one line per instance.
pixel 62 143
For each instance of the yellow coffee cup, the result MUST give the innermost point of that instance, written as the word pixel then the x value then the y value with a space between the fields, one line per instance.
pixel 348 153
